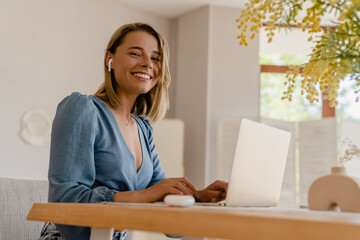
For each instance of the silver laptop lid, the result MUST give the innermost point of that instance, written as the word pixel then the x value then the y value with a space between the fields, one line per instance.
pixel 258 167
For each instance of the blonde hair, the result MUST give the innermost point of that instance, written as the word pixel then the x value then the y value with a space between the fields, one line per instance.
pixel 153 104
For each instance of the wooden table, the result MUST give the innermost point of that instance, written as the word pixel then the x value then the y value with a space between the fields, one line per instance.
pixel 220 222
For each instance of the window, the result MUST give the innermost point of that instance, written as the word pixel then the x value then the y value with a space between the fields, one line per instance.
pixel 275 57
pixel 288 48
pixel 348 107
pixel 272 78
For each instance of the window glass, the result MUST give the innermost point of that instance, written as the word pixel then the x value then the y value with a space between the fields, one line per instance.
pixel 272 88
pixel 348 107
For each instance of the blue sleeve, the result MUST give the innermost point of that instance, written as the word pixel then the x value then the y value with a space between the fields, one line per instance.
pixel 158 171
pixel 72 165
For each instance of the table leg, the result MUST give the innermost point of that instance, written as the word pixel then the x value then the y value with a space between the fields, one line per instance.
pixel 101 233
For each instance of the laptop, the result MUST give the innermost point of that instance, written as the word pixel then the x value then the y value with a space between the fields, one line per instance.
pixel 257 171
pixel 258 166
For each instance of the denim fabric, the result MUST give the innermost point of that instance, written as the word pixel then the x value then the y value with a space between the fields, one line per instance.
pixel 50 232
pixel 90 159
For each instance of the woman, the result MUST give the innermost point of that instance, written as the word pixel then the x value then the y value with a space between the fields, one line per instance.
pixel 102 146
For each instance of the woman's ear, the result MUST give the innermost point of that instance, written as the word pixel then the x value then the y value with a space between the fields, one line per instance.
pixel 109 64
pixel 108 60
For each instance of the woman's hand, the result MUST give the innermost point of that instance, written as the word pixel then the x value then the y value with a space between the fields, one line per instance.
pixel 157 192
pixel 215 192
pixel 177 186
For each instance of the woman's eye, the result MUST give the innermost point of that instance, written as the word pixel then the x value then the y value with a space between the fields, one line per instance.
pixel 135 54
pixel 156 59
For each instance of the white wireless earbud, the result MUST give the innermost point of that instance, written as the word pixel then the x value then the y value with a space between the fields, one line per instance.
pixel 109 65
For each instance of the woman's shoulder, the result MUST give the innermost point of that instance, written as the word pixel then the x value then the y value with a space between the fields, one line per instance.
pixel 75 115
pixel 75 99
pixel 76 104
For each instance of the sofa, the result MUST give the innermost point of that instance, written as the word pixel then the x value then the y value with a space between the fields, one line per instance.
pixel 16 198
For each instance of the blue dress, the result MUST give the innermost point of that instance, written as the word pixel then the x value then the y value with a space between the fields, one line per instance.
pixel 90 160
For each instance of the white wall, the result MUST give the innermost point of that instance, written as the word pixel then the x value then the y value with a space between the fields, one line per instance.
pixel 50 48
pixel 234 78
pixel 191 89
pixel 215 78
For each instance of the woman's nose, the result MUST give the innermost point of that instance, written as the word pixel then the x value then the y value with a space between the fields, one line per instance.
pixel 146 62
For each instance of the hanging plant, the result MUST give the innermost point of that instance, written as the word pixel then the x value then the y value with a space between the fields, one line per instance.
pixel 336 54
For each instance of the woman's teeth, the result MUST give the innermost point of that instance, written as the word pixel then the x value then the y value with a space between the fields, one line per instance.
pixel 141 75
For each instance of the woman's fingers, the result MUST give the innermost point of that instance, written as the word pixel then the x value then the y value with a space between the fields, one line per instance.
pixel 175 191
pixel 218 186
pixel 209 195
pixel 215 192
pixel 182 187
pixel 187 183
pixel 180 184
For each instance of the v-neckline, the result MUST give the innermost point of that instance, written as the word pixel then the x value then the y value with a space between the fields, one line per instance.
pixel 113 119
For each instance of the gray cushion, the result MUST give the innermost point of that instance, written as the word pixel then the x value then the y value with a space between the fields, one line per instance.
pixel 16 199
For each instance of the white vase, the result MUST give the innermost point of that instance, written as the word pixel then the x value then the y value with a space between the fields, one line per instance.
pixel 335 191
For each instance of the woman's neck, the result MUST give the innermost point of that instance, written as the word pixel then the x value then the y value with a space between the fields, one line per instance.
pixel 126 104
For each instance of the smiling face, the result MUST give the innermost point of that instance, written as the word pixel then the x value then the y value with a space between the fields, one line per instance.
pixel 136 63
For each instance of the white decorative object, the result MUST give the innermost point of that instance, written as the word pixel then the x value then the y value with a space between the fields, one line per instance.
pixel 335 191
pixel 35 127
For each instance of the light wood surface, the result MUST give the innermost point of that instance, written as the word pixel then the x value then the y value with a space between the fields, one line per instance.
pixel 226 223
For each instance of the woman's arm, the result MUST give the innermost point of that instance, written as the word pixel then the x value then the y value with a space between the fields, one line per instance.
pixel 72 165
pixel 177 186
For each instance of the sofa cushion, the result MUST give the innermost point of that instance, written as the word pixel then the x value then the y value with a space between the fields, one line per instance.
pixel 16 199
